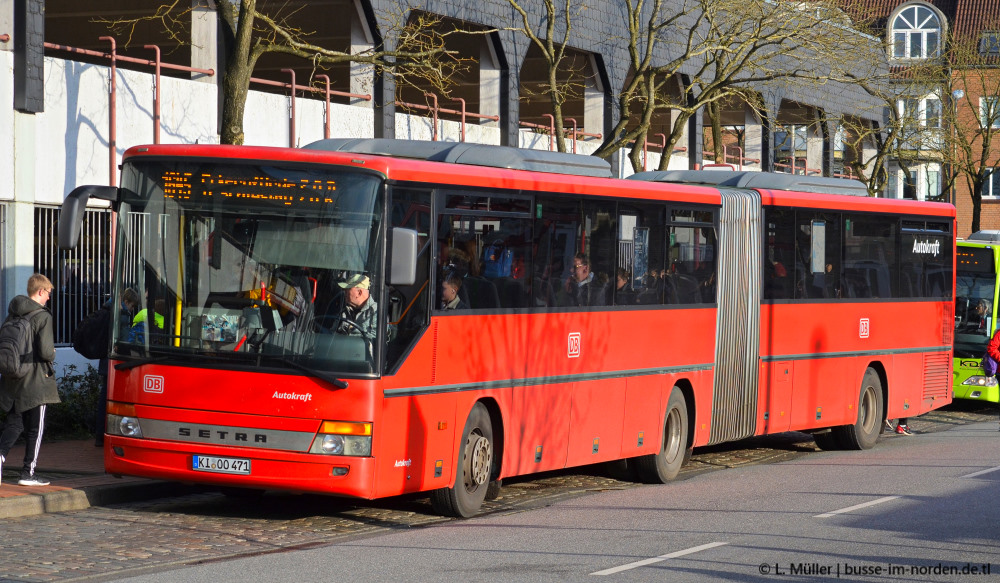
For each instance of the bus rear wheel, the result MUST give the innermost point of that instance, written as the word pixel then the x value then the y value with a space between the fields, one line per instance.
pixel 473 471
pixel 829 441
pixel 660 468
pixel 865 431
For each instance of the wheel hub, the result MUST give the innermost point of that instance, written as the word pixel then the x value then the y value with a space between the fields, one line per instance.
pixel 480 460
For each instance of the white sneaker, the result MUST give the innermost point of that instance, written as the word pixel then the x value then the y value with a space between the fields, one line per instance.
pixel 32 481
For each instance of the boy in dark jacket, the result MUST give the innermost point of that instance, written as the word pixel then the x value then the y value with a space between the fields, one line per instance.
pixel 24 399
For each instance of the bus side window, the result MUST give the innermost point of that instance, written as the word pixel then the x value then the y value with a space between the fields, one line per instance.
pixel 641 232
pixel 779 254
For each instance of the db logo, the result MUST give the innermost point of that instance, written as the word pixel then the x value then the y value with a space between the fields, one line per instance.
pixel 863 328
pixel 152 384
pixel 573 345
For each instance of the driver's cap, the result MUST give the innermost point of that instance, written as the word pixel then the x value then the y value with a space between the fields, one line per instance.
pixel 359 280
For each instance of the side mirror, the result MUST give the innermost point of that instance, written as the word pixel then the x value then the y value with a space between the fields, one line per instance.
pixel 74 208
pixel 403 269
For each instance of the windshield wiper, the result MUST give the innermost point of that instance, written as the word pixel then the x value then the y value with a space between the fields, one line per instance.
pixel 316 373
pixel 138 362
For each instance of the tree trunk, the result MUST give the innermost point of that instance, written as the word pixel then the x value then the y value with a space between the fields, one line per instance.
pixel 239 67
pixel 715 115
pixel 977 204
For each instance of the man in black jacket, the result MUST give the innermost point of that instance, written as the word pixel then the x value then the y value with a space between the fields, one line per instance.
pixel 24 399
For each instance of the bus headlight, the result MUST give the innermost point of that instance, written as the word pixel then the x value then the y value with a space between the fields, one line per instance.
pixel 343 438
pixel 980 381
pixel 124 426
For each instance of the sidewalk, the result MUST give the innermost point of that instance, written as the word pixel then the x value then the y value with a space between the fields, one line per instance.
pixel 76 472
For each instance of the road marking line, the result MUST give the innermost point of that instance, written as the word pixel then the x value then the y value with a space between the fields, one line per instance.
pixel 855 507
pixel 645 562
pixel 980 472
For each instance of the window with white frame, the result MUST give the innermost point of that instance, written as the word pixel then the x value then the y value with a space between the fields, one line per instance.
pixel 924 112
pixel 991 182
pixel 932 112
pixel 989 112
pixel 916 33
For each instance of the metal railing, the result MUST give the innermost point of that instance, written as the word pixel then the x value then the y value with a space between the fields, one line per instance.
pixel 81 276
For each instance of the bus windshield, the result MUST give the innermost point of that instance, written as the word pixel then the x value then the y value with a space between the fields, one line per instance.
pixel 247 264
pixel 973 312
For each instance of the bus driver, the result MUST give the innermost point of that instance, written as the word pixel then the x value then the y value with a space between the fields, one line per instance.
pixel 359 308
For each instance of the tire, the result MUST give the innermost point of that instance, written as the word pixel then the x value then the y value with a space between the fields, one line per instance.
pixel 662 467
pixel 493 490
pixel 871 411
pixel 828 440
pixel 472 470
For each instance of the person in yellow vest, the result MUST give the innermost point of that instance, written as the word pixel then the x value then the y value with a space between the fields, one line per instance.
pixel 140 324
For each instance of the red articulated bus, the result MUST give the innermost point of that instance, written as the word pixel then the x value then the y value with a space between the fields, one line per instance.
pixel 369 318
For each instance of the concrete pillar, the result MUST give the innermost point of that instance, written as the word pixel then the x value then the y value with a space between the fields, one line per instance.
pixel 814 146
pixel 18 252
pixel 761 144
pixel 205 47
pixel 490 80
pixel 593 101
pixel 753 139
pixel 696 139
pixel 361 73
pixel 694 131
pixel 511 55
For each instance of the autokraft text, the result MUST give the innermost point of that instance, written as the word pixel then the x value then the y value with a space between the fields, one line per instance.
pixel 304 397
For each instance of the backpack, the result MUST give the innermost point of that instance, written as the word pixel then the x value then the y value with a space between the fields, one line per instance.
pixel 497 260
pixel 16 345
pixel 989 365
pixel 90 338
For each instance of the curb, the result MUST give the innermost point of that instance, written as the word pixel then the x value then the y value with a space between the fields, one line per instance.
pixel 82 498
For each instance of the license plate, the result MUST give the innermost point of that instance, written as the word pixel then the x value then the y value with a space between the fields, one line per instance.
pixel 221 465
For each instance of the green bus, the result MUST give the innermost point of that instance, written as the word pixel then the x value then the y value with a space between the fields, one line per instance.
pixel 976 267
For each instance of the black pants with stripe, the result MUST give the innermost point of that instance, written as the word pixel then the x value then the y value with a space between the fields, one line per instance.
pixel 31 423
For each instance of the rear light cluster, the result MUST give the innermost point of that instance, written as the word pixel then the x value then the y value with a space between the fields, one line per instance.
pixel 343 438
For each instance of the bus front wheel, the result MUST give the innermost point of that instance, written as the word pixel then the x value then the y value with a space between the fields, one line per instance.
pixel 473 471
pixel 864 433
pixel 660 468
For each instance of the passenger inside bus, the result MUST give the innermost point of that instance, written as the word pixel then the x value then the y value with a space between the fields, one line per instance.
pixel 450 299
pixel 583 287
pixel 624 295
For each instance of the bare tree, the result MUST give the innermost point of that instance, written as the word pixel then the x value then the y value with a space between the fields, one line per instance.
pixel 941 111
pixel 910 134
pixel 726 50
pixel 971 151
pixel 564 80
pixel 420 54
